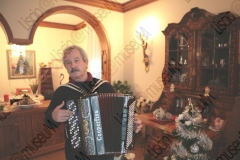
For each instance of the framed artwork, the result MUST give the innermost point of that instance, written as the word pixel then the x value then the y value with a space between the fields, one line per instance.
pixel 57 63
pixel 21 64
pixel 20 91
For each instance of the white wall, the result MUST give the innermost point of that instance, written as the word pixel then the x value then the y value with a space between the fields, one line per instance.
pixel 121 29
pixel 47 40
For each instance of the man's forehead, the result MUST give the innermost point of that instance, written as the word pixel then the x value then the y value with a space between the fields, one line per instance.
pixel 73 50
pixel 73 54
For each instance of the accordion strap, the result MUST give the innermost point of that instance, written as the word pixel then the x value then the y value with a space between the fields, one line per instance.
pixel 76 88
pixel 98 84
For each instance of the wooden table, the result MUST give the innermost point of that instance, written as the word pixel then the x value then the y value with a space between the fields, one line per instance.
pixel 169 127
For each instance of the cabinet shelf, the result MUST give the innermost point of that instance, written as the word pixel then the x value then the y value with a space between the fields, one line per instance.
pixel 202 47
pixel 206 47
pixel 214 68
pixel 222 47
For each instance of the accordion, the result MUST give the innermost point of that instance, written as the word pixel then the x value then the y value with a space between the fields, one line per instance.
pixel 102 123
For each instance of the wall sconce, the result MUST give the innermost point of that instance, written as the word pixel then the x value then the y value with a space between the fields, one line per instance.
pixel 145 56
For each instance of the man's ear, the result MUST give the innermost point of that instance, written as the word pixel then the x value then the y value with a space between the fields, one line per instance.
pixel 87 63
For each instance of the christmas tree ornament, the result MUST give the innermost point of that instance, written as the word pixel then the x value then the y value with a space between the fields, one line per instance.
pixel 194 148
pixel 173 157
pixel 191 142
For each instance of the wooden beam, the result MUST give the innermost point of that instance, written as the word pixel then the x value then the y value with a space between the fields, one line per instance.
pixel 135 4
pixel 80 25
pixel 57 25
pixel 62 26
pixel 106 4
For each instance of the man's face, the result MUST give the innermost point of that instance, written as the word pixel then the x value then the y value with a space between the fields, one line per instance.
pixel 75 65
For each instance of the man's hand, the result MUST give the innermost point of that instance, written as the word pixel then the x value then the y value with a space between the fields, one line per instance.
pixel 137 124
pixel 61 115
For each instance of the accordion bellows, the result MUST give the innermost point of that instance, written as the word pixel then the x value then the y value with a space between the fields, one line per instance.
pixel 102 123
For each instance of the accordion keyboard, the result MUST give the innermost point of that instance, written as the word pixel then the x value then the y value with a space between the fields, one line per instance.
pixel 73 125
pixel 129 138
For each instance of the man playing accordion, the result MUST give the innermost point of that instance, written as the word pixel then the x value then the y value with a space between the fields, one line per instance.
pixel 75 60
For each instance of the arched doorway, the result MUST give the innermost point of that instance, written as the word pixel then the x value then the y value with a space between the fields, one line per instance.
pixel 85 15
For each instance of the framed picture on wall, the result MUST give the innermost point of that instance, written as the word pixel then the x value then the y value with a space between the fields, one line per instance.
pixel 57 64
pixel 21 64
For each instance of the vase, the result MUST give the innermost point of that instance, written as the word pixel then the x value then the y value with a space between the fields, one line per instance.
pixel 34 89
pixel 145 108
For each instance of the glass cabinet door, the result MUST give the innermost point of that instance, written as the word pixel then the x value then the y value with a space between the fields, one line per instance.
pixel 178 58
pixel 214 59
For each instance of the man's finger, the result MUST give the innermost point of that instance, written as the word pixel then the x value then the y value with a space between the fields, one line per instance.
pixel 138 128
pixel 137 121
pixel 65 113
pixel 68 112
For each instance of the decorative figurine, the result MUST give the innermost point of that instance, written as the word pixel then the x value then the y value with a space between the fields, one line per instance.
pixel 222 62
pixel 182 42
pixel 172 88
pixel 207 90
pixel 185 62
pixel 213 62
pixel 181 60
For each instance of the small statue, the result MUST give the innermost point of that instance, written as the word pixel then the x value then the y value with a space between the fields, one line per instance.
pixel 185 62
pixel 182 42
pixel 172 87
pixel 181 60
pixel 207 90
pixel 189 101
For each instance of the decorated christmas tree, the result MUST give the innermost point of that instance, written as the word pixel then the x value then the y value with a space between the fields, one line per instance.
pixel 191 142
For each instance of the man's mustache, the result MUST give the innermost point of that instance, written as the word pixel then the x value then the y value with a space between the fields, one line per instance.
pixel 74 70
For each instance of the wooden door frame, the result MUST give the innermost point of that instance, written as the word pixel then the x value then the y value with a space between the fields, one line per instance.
pixel 79 12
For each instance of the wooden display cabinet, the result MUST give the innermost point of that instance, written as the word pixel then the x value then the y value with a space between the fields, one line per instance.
pixel 204 58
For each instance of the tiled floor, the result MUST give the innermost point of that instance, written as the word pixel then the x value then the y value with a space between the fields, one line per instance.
pixel 60 155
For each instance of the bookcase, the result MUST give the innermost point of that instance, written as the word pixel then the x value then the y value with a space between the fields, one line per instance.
pixel 45 82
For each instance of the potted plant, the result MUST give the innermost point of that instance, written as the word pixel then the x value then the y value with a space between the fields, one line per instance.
pixel 122 87
pixel 143 105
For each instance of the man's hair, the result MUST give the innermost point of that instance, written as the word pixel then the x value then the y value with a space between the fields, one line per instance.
pixel 70 48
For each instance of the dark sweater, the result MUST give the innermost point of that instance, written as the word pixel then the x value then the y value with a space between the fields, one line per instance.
pixel 62 94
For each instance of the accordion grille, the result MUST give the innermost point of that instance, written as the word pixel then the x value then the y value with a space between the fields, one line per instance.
pixel 129 138
pixel 73 122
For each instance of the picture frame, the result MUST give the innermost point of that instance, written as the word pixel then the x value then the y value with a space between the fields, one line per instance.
pixel 57 64
pixel 20 91
pixel 21 64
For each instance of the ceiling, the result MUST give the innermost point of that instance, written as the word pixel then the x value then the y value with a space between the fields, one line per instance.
pixel 122 1
pixel 72 22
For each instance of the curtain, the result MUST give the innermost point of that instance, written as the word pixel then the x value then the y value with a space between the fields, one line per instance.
pixel 94 53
